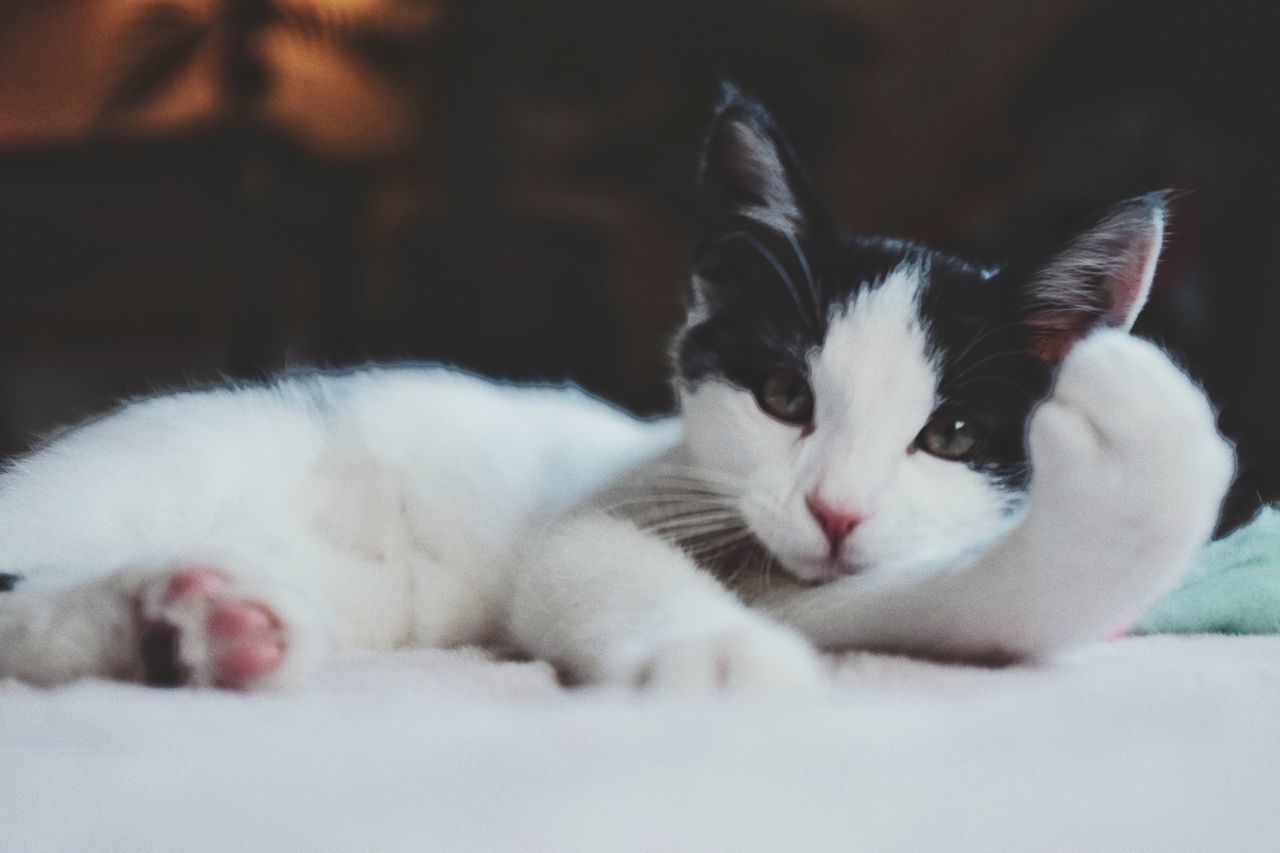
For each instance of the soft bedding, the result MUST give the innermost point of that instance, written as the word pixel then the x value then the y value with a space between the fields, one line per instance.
pixel 1153 743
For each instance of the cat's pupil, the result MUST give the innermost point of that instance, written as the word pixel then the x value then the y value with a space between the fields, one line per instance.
pixel 786 395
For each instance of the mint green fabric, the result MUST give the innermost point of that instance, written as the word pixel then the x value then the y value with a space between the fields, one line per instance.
pixel 1234 587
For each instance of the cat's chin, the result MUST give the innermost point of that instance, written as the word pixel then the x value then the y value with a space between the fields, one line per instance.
pixel 812 571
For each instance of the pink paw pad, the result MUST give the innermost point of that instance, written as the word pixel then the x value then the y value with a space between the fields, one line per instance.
pixel 243 638
pixel 247 637
pixel 247 662
pixel 197 583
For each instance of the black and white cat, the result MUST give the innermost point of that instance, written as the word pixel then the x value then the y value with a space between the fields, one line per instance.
pixel 862 458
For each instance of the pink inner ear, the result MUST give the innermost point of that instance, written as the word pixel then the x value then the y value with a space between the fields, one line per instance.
pixel 1055 330
pixel 1129 289
pixel 1054 333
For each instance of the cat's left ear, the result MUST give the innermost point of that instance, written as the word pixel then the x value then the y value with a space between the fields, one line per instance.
pixel 1100 278
pixel 750 173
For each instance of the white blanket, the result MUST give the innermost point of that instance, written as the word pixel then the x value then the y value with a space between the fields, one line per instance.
pixel 1162 743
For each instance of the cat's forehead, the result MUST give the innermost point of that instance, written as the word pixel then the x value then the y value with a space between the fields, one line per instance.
pixel 881 284
pixel 880 316
pixel 876 352
pixel 904 324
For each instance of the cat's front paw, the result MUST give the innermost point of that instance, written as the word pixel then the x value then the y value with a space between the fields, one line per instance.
pixel 1128 444
pixel 748 659
pixel 201 626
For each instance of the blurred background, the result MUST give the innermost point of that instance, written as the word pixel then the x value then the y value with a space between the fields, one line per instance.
pixel 195 188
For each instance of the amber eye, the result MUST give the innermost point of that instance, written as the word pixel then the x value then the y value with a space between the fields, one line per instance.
pixel 950 435
pixel 786 395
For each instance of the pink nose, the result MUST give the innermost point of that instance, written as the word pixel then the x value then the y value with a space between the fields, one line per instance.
pixel 836 523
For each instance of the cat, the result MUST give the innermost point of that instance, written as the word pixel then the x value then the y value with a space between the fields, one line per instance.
pixel 887 447
pixel 877 445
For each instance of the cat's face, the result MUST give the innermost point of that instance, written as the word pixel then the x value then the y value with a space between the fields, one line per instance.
pixel 866 400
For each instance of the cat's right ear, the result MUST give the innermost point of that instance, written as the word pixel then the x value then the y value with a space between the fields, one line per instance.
pixel 1100 278
pixel 750 174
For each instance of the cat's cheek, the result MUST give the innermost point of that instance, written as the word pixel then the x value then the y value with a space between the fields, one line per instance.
pixel 727 433
pixel 935 507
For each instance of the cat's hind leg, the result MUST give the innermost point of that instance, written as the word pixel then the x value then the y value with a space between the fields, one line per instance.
pixel 189 623
pixel 53 632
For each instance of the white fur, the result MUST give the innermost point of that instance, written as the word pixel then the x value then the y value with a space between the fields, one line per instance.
pixel 373 509
pixel 612 604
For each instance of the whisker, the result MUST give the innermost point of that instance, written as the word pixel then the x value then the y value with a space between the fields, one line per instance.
pixel 969 368
pixel 707 549
pixel 676 489
pixel 773 261
pixel 671 499
pixel 814 296
pixel 694 516
pixel 706 521
pixel 767 567
pixel 741 553
pixel 986 334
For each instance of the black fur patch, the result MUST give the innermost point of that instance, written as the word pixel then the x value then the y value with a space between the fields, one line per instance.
pixel 8 582
pixel 764 289
pixel 987 367
pixel 161 666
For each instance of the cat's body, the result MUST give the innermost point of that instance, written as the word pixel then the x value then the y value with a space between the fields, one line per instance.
pixel 860 455
pixel 381 508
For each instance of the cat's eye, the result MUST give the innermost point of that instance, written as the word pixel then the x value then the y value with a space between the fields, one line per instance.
pixel 786 395
pixel 950 435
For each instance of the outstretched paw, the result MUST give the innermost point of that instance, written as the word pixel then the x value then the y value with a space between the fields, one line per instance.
pixel 200 626
pixel 1128 470
pixel 1126 432
pixel 744 660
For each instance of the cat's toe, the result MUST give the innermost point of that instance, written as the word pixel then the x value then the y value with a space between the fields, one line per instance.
pixel 746 660
pixel 234 620
pixel 248 662
pixel 197 582
pixel 200 627
pixel 247 640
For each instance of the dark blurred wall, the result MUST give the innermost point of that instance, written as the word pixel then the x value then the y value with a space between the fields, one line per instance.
pixel 1143 95
pixel 228 186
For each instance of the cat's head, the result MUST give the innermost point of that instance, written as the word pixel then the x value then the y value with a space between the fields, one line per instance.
pixel 867 399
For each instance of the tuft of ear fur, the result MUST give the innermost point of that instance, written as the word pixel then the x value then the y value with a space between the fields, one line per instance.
pixel 1100 278
pixel 749 171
